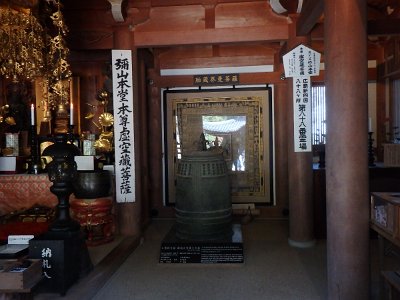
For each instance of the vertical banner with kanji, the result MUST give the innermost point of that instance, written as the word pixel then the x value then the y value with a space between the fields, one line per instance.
pixel 301 63
pixel 123 125
pixel 302 114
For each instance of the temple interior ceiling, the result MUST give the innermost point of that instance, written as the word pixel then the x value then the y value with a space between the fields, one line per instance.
pixel 215 32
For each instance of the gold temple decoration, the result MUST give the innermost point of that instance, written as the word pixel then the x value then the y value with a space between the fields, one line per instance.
pixel 106 119
pixel 3 112
pixel 58 73
pixel 89 115
pixel 21 44
pixel 104 144
pixel 57 76
pixel 10 121
pixel 5 117
pixel 31 47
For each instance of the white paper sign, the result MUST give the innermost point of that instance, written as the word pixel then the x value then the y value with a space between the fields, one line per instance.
pixel 123 125
pixel 8 163
pixel 301 61
pixel 302 114
pixel 84 162
pixel 22 239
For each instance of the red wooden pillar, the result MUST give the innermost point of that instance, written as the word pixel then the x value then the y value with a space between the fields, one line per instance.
pixel 142 136
pixel 155 140
pixel 281 143
pixel 301 218
pixel 129 214
pixel 380 130
pixel 346 149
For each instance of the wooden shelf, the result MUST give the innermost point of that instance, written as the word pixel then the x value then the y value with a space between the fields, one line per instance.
pixel 385 212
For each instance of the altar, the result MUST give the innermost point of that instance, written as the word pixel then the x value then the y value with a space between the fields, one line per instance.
pixel 23 191
pixel 27 207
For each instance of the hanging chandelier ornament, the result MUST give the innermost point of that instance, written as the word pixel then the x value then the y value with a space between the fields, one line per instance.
pixel 58 69
pixel 21 44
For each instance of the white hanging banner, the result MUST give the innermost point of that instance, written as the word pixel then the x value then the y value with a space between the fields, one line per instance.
pixel 123 125
pixel 302 114
pixel 301 63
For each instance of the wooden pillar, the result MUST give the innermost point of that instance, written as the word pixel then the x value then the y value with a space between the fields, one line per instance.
pixel 129 214
pixel 346 149
pixel 155 140
pixel 281 145
pixel 143 134
pixel 301 218
pixel 380 130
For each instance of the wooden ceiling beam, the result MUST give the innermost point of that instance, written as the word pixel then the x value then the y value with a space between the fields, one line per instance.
pixel 160 3
pixel 311 12
pixel 210 36
pixel 19 3
pixel 213 62
pixel 384 27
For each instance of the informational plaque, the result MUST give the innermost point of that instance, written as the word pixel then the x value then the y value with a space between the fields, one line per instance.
pixel 177 251
pixel 301 63
pixel 204 253
pixel 123 125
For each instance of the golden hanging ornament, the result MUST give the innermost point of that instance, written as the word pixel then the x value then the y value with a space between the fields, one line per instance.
pixel 58 71
pixel 21 44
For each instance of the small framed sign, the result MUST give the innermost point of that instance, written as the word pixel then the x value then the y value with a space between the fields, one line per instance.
pixel 216 79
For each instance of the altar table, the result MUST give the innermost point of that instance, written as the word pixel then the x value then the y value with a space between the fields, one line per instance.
pixel 23 191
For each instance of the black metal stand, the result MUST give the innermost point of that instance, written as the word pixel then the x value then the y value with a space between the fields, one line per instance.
pixel 321 154
pixel 71 133
pixel 63 248
pixel 63 221
pixel 72 137
pixel 371 158
pixel 61 170
pixel 35 165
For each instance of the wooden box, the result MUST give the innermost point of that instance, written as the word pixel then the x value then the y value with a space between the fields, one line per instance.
pixel 19 276
pixel 385 213
pixel 391 155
